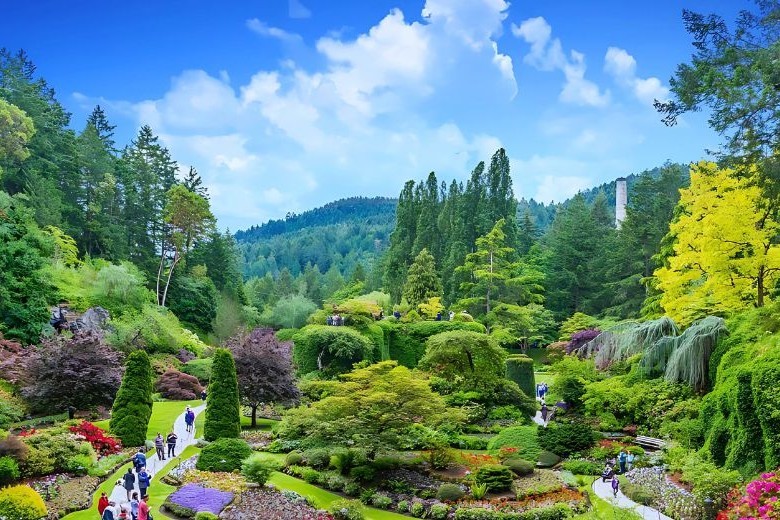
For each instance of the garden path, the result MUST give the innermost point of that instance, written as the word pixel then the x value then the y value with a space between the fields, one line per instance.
pixel 185 438
pixel 604 490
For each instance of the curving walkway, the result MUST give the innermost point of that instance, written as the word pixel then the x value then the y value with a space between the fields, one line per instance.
pixel 603 490
pixel 185 438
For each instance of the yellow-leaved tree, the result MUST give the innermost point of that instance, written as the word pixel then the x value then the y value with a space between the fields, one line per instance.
pixel 725 256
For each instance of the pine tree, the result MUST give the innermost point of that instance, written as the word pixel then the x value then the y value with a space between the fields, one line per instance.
pixel 194 183
pixel 401 242
pixel 423 281
pixel 133 403
pixel 223 411
pixel 104 129
pixel 527 234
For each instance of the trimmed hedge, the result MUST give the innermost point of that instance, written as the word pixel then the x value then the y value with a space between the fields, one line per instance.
pixel 519 466
pixel 21 503
pixel 337 348
pixel 566 438
pixel 520 369
pixel 223 455
pixel 223 411
pixel 133 403
pixel 406 341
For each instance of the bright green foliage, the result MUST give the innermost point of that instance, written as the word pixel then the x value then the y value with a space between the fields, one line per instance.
pixel 524 325
pixel 431 308
pixel 16 128
pixel 519 467
pixel 257 468
pixel 745 451
pixel 524 438
pixel 330 349
pixel 572 374
pixel 21 503
pixel 575 323
pixel 470 357
pixel 200 368
pixel 371 408
pixel 205 515
pixel 346 510
pixel 9 470
pixel 520 369
pixel 405 342
pixel 223 412
pixel 422 281
pixel 496 477
pixel 224 454
pixel 290 312
pixel 24 291
pixel 155 328
pixel 133 404
pixel 766 381
pixel 449 493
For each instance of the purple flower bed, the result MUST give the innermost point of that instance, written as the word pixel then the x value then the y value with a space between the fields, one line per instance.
pixel 192 498
pixel 272 505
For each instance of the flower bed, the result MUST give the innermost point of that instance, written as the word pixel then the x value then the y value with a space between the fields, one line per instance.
pixel 664 495
pixel 102 443
pixel 761 500
pixel 230 482
pixel 272 505
pixel 193 498
pixel 64 494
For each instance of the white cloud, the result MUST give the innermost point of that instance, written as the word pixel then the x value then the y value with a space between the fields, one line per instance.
pixel 622 66
pixel 547 54
pixel 263 29
pixel 297 10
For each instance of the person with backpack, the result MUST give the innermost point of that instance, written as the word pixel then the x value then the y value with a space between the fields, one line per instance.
pixel 171 440
pixel 139 460
pixel 144 480
pixel 128 480
pixel 159 445
pixel 189 419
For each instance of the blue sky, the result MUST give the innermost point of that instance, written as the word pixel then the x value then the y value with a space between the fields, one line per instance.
pixel 284 105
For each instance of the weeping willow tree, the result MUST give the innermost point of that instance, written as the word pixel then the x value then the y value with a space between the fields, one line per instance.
pixel 689 360
pixel 627 339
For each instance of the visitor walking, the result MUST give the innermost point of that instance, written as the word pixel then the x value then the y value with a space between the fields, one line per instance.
pixel 129 482
pixel 144 480
pixel 630 461
pixel 134 506
pixel 111 512
pixel 189 419
pixel 139 460
pixel 622 456
pixel 171 440
pixel 615 486
pixel 545 411
pixel 102 504
pixel 203 395
pixel 143 509
pixel 159 445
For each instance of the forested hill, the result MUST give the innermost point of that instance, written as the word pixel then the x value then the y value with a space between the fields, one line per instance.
pixel 340 234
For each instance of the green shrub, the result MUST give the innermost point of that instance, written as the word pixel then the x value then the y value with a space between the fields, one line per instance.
pixel 478 491
pixel 524 438
pixel 566 438
pixel 200 368
pixel 547 459
pixel 343 459
pixel 520 369
pixel 519 466
pixel 638 494
pixel 9 470
pixel 469 442
pixel 417 509
pixel 293 458
pixel 386 462
pixel 21 503
pixel 337 348
pixel 496 477
pixel 223 455
pixel 346 510
pixel 449 493
pixel 257 469
pixel 133 403
pixel 438 512
pixel 37 462
pixel 402 506
pixel 363 473
pixel 381 501
pixel 554 512
pixel 223 412
pixel 352 489
pixel 582 467
pixel 333 481
pixel 205 515
pixel 317 457
pixel 80 464
pixel 312 476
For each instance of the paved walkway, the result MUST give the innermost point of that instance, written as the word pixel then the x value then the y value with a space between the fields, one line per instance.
pixel 603 490
pixel 185 438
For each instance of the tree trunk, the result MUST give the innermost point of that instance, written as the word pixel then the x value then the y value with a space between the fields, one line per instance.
pixel 159 274
pixel 176 258
pixel 760 287
pixel 254 415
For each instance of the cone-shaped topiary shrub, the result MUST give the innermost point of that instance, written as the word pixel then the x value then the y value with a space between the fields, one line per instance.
pixel 223 412
pixel 133 403
pixel 520 369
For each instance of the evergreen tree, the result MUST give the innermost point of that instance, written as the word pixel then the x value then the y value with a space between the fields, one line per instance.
pixel 194 183
pixel 223 411
pixel 401 242
pixel 284 284
pixel 423 281
pixel 501 202
pixel 133 404
pixel 426 231
pixel 527 234
pixel 105 130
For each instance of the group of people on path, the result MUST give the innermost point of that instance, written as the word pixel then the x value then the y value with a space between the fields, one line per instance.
pixel 541 390
pixel 170 440
pixel 624 462
pixel 136 507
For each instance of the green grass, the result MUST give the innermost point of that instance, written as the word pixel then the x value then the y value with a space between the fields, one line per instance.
pixel 164 413
pixel 262 423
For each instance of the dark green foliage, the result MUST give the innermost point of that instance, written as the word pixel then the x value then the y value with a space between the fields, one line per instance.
pixel 133 404
pixel 334 349
pixel 422 281
pixel 496 477
pixel 745 451
pixel 519 466
pixel 520 369
pixel 193 299
pixel 547 459
pixel 223 412
pixel 471 358
pixel 293 458
pixel 582 467
pixel 766 381
pixel 317 457
pixel 223 454
pixel 566 438
pixel 554 512
pixel 449 493
pixel 406 341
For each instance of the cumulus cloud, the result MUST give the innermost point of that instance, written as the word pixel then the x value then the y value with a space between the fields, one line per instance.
pixel 622 66
pixel 547 54
pixel 263 29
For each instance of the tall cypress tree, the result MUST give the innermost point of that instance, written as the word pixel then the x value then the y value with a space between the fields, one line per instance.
pixel 223 412
pixel 133 403
pixel 423 281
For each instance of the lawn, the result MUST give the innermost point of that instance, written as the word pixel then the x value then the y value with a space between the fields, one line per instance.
pixel 164 413
pixel 262 423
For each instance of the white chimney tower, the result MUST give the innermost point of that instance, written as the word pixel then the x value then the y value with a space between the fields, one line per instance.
pixel 621 199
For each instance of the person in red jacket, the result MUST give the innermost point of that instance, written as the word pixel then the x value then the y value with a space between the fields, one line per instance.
pixel 143 509
pixel 102 504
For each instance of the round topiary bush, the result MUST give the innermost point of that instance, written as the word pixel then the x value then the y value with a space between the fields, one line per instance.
pixel 519 466
pixel 293 459
pixel 21 503
pixel 450 493
pixel 495 477
pixel 257 468
pixel 205 515
pixel 223 455
pixel 547 459
pixel 520 369
pixel 317 457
